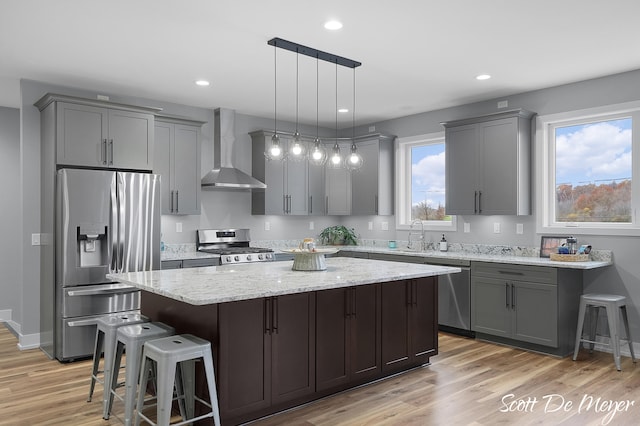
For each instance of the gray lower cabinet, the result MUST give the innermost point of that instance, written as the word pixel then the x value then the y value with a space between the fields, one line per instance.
pixel 177 160
pixel 372 185
pixel 93 133
pixel 488 164
pixel 526 305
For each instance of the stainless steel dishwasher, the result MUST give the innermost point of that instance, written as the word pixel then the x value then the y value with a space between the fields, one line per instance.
pixel 454 297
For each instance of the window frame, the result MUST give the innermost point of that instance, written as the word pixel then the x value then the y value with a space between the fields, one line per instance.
pixel 545 168
pixel 403 180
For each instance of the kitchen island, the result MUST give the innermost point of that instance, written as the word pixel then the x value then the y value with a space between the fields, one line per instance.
pixel 282 338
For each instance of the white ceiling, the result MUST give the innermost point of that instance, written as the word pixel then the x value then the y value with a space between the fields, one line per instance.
pixel 417 55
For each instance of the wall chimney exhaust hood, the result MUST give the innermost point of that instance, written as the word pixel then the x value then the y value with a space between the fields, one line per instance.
pixel 223 174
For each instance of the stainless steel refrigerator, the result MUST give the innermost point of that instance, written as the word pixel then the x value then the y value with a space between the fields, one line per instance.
pixel 106 221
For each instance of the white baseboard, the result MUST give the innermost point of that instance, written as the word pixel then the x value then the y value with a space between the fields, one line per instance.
pixel 5 315
pixel 25 341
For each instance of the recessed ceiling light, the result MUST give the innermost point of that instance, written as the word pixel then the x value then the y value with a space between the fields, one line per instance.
pixel 343 110
pixel 483 77
pixel 202 83
pixel 333 25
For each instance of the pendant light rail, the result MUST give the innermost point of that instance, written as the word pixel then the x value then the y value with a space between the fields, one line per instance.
pixel 314 53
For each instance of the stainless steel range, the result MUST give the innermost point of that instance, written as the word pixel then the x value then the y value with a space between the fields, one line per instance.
pixel 232 245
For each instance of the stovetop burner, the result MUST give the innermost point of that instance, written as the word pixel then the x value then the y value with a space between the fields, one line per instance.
pixel 232 245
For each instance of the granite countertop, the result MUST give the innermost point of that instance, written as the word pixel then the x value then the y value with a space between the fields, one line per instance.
pixel 484 257
pixel 227 283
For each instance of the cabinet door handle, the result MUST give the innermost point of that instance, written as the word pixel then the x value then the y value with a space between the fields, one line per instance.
pixel 415 292
pixel 274 315
pixel 353 303
pixel 475 202
pixel 177 202
pixel 289 204
pixel 103 152
pixel 265 315
pixel 513 297
pixel 111 151
pixel 506 294
pixel 408 294
pixel 375 204
pixel 327 205
pixel 310 204
pixel 479 202
pixel 347 305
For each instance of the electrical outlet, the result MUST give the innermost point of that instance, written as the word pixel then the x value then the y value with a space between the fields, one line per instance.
pixel 372 129
pixel 267 226
pixel 384 226
pixel 370 226
pixel 102 97
pixel 467 227
pixel 35 239
pixel 496 228
pixel 503 104
pixel 519 228
pixel 178 226
pixel 312 226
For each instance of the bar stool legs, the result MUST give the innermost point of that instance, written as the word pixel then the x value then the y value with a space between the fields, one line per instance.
pixel 106 343
pixel 132 338
pixel 614 306
pixel 174 357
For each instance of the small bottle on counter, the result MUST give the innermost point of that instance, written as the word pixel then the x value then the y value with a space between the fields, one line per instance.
pixel 443 243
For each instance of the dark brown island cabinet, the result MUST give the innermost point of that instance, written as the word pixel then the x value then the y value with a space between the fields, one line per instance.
pixel 276 353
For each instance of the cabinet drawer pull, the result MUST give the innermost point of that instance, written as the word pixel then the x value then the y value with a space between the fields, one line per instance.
pixel 506 294
pixel 510 273
pixel 111 151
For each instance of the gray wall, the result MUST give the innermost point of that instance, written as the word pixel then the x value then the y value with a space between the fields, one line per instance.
pixel 223 208
pixel 10 219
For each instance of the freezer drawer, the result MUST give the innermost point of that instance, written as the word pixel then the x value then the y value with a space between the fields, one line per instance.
pixel 78 337
pixel 99 299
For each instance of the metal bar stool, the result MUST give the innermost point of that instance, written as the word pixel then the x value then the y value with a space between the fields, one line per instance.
pixel 613 304
pixel 132 338
pixel 170 354
pixel 106 344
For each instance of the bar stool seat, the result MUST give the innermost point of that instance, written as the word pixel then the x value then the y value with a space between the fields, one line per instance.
pixel 105 343
pixel 174 358
pixel 614 306
pixel 132 338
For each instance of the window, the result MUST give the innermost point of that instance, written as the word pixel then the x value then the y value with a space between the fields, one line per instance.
pixel 585 163
pixel 420 182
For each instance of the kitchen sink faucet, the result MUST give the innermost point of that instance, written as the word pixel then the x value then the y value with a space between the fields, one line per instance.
pixel 421 237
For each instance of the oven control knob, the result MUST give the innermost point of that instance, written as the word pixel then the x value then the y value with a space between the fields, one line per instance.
pixel 248 257
pixel 229 259
pixel 237 258
pixel 268 255
pixel 260 257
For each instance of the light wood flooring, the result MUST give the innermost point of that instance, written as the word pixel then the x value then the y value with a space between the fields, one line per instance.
pixel 466 384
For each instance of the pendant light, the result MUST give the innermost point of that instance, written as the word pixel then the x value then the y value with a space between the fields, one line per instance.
pixel 275 150
pixel 354 160
pixel 335 159
pixel 318 155
pixel 297 150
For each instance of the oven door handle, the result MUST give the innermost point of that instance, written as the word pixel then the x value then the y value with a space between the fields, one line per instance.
pixel 100 291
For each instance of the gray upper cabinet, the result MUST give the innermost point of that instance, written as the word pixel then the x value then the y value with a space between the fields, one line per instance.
pixel 287 181
pixel 338 187
pixel 317 190
pixel 177 160
pixel 488 164
pixel 101 134
pixel 372 186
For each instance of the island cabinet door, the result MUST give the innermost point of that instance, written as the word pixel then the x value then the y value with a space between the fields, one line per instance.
pixel 409 323
pixel 347 336
pixel 244 369
pixel 292 346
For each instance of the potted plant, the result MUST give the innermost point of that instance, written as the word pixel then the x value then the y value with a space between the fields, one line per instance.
pixel 338 235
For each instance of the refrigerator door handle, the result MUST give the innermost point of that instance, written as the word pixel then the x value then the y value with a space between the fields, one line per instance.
pixel 82 323
pixel 112 236
pixel 122 204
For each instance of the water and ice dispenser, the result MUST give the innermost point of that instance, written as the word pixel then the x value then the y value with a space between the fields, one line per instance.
pixel 92 245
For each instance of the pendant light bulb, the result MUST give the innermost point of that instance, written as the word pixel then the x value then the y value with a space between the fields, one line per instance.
pixel 354 161
pixel 318 155
pixel 335 160
pixel 275 151
pixel 297 150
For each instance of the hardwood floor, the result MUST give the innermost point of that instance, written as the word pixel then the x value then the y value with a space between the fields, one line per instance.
pixel 466 384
